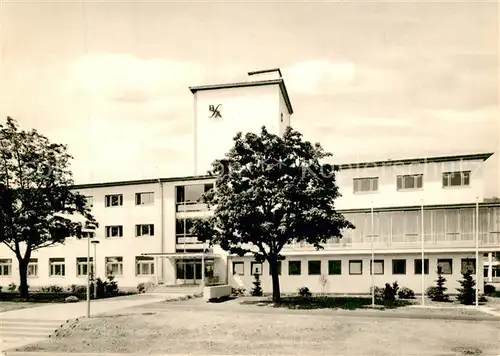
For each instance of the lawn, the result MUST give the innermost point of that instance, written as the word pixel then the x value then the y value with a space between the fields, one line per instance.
pixel 218 329
pixel 7 306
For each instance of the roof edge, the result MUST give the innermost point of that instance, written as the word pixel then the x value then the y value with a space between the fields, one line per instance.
pixel 422 160
pixel 279 82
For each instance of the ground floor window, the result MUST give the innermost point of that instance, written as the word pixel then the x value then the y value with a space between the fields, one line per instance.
pixel 398 266
pixel 495 271
pixel 33 267
pixel 114 266
pixel 294 268
pixel 57 267
pixel 446 265
pixel 144 266
pixel 256 267
pixel 355 267
pixel 5 267
pixel 334 267
pixel 468 264
pixel 378 267
pixel 81 266
pixel 239 268
pixel 278 264
pixel 314 268
pixel 418 266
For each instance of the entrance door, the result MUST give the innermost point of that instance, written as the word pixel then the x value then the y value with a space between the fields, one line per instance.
pixel 189 271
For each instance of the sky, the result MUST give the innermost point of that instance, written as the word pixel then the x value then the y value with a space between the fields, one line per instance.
pixel 368 80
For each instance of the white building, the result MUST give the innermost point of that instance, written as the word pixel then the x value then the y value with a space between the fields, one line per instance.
pixel 143 233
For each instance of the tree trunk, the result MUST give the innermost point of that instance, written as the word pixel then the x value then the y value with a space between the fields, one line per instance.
pixel 273 265
pixel 23 277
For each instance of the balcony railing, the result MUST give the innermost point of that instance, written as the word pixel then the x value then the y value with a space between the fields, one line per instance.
pixel 191 206
pixel 187 239
pixel 403 241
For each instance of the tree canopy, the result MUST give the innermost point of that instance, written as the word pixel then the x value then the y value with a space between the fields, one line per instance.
pixel 271 190
pixel 37 205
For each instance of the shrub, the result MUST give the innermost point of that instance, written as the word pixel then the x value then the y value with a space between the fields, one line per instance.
pixel 111 288
pixel 304 292
pixel 437 293
pixel 144 287
pixel 467 294
pixel 237 292
pixel 379 293
pixel 406 293
pixel 390 293
pixel 488 289
pixel 257 289
pixel 482 298
pixel 71 299
pixel 77 289
pixel 12 287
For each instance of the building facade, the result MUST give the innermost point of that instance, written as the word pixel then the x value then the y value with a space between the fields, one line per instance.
pixel 400 208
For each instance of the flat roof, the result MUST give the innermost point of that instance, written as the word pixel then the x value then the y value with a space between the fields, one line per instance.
pixel 476 156
pixel 279 82
pixel 265 71
pixel 422 160
pixel 489 204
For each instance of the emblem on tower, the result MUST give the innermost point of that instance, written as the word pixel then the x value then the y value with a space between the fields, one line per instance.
pixel 214 111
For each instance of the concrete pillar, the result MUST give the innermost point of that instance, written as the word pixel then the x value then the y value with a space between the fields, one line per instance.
pixel 490 267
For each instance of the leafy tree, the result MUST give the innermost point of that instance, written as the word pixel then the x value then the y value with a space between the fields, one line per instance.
pixel 467 294
pixel 257 288
pixel 36 201
pixel 271 190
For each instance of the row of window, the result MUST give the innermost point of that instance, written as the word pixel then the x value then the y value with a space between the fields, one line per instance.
pixel 140 230
pixel 356 267
pixel 184 194
pixel 412 181
pixel 144 266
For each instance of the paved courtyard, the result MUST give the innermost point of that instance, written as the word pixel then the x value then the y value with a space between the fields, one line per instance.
pixel 195 328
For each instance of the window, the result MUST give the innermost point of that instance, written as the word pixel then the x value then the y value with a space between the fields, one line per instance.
pixel 279 268
pixel 239 268
pixel 114 231
pixel 183 227
pixel 314 268
pixel 446 265
pixel 90 201
pixel 114 266
pixel 191 193
pixel 412 181
pixel 418 266
pixel 81 266
pixel 294 268
pixel 456 179
pixel 144 198
pixel 33 267
pixel 365 184
pixel 6 267
pixel 379 266
pixel 256 267
pixel 144 266
pixel 334 267
pixel 356 267
pixel 113 200
pixel 468 264
pixel 57 267
pixel 145 230
pixel 398 266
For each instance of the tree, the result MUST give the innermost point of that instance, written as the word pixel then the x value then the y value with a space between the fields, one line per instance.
pixel 257 289
pixel 439 294
pixel 271 190
pixel 37 205
pixel 467 294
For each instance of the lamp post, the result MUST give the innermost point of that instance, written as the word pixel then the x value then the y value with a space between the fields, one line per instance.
pixel 94 262
pixel 90 228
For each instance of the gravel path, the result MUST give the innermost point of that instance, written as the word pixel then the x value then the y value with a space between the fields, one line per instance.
pixel 222 332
